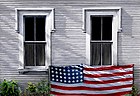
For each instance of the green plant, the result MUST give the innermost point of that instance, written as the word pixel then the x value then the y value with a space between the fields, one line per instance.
pixel 134 92
pixel 42 88
pixel 31 87
pixel 9 88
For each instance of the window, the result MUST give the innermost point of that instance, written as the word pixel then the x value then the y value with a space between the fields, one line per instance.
pixel 101 40
pixel 34 26
pixel 101 26
pixel 35 41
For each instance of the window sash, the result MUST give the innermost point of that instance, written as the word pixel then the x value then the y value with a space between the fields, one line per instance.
pixel 35 34
pixel 34 53
pixel 101 53
pixel 100 49
pixel 105 41
pixel 98 30
pixel 35 42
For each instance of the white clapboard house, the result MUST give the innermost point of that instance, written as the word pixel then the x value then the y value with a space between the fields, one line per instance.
pixel 35 34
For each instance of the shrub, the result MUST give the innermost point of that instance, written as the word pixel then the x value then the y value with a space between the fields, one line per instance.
pixel 40 89
pixel 9 88
pixel 31 87
pixel 134 92
pixel 43 87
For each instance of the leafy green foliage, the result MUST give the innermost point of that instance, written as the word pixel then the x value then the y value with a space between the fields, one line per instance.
pixel 9 88
pixel 42 88
pixel 134 92
pixel 31 87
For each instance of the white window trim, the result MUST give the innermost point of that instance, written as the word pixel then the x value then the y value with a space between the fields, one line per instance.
pixel 49 13
pixel 98 11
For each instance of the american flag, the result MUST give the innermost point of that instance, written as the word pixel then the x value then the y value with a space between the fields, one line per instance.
pixel 84 80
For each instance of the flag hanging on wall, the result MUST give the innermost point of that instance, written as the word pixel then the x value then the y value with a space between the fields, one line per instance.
pixel 83 80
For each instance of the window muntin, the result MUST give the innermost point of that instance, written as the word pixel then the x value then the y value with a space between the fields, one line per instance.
pixel 101 40
pixel 34 44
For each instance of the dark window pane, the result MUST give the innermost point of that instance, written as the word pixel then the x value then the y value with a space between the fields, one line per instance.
pixel 40 28
pixel 95 28
pixel 40 54
pixel 34 54
pixel 29 28
pixel 95 54
pixel 107 28
pixel 106 53
pixel 29 54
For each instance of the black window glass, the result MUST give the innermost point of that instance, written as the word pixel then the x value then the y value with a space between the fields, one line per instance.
pixel 100 54
pixel 95 54
pixel 106 53
pixel 95 28
pixel 29 54
pixel 40 28
pixel 101 28
pixel 34 54
pixel 29 28
pixel 107 28
pixel 40 54
pixel 34 28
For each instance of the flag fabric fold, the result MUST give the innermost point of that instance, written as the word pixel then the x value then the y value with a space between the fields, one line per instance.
pixel 84 80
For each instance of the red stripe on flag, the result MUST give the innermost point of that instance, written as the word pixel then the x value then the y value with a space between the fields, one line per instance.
pixel 108 68
pixel 90 89
pixel 114 94
pixel 108 75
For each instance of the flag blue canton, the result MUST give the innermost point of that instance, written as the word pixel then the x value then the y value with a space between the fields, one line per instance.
pixel 67 74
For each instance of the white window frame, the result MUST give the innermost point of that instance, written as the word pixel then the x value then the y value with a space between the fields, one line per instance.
pixel 116 27
pixel 49 27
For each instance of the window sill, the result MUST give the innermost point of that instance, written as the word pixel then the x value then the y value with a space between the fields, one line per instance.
pixel 33 71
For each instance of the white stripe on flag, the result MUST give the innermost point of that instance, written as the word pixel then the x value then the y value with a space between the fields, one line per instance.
pixel 110 78
pixel 92 85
